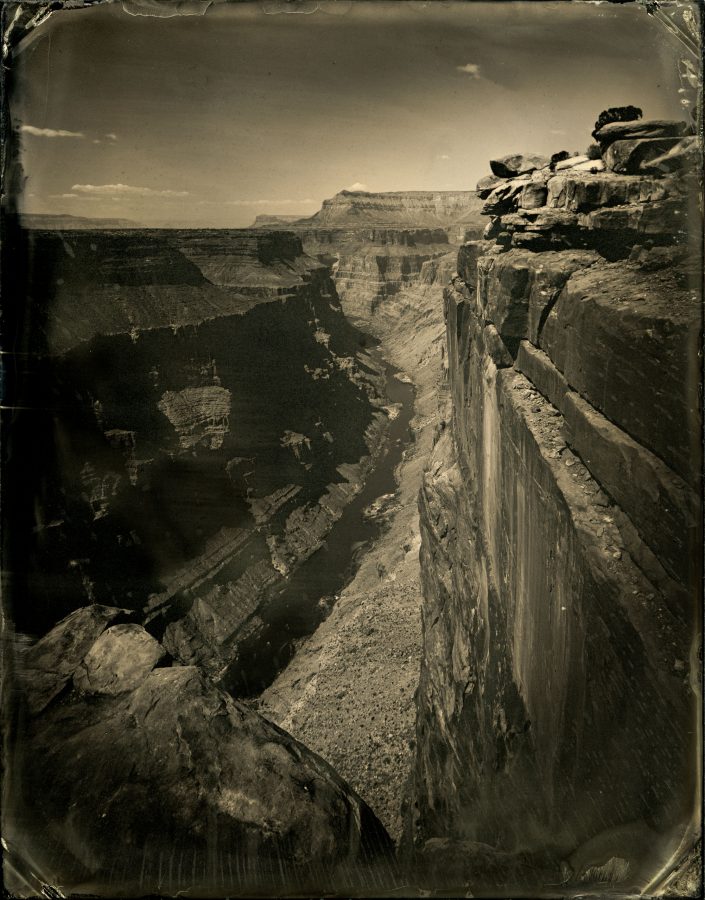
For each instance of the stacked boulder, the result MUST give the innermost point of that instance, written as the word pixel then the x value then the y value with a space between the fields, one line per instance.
pixel 592 200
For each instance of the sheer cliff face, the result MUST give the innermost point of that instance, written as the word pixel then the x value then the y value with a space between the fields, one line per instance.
pixel 560 516
pixel 197 436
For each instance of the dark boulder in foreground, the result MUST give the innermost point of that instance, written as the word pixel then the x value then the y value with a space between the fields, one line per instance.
pixel 157 781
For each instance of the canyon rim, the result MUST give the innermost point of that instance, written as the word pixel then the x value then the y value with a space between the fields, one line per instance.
pixel 352 449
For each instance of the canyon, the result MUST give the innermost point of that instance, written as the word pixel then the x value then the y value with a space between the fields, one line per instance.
pixel 362 551
pixel 216 446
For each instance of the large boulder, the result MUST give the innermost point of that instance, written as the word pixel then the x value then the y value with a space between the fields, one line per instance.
pixel 118 661
pixel 518 164
pixel 486 185
pixel 685 155
pixel 570 162
pixel 533 196
pixel 147 780
pixel 590 165
pixel 504 197
pixel 46 668
pixel 631 156
pixel 647 128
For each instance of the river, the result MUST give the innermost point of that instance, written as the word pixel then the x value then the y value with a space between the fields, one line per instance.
pixel 310 591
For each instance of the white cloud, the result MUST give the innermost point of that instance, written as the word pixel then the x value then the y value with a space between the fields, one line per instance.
pixel 97 141
pixel 110 136
pixel 443 156
pixel 50 132
pixel 125 189
pixel 471 69
pixel 357 186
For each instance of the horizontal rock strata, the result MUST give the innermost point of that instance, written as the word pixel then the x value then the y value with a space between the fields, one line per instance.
pixel 561 534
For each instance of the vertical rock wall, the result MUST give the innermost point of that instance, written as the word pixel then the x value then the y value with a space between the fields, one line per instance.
pixel 558 703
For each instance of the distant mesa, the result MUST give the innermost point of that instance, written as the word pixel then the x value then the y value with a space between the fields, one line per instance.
pixel 52 221
pixel 387 209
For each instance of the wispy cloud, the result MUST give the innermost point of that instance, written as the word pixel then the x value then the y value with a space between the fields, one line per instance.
pixel 110 136
pixel 357 186
pixel 125 190
pixel 443 156
pixel 50 132
pixel 471 69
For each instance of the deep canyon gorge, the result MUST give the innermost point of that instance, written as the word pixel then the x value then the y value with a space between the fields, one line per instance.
pixel 362 552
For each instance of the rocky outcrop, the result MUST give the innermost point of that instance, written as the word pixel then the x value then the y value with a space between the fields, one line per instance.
pixel 561 541
pixel 147 778
pixel 266 220
pixel 198 414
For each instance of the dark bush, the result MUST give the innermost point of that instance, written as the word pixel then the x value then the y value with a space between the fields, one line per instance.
pixel 558 157
pixel 617 114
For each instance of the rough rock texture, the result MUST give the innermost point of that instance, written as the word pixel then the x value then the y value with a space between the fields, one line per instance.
pixel 118 661
pixel 349 692
pixel 682 156
pixel 152 780
pixel 46 668
pixel 517 164
pixel 635 155
pixel 128 282
pixel 199 414
pixel 638 129
pixel 561 546
pixel 368 274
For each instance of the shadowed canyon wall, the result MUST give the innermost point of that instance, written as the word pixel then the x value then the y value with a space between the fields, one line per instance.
pixel 203 433
pixel 557 726
pixel 193 415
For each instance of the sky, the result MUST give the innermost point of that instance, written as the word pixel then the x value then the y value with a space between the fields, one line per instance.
pixel 209 120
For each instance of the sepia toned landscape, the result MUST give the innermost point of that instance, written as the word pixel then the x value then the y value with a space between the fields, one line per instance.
pixel 352 529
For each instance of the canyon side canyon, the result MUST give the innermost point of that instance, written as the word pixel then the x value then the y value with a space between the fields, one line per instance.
pixel 361 553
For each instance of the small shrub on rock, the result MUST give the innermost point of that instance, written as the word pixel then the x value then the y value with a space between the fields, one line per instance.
pixel 617 114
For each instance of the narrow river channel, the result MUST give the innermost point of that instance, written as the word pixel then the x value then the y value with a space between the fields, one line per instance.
pixel 307 595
